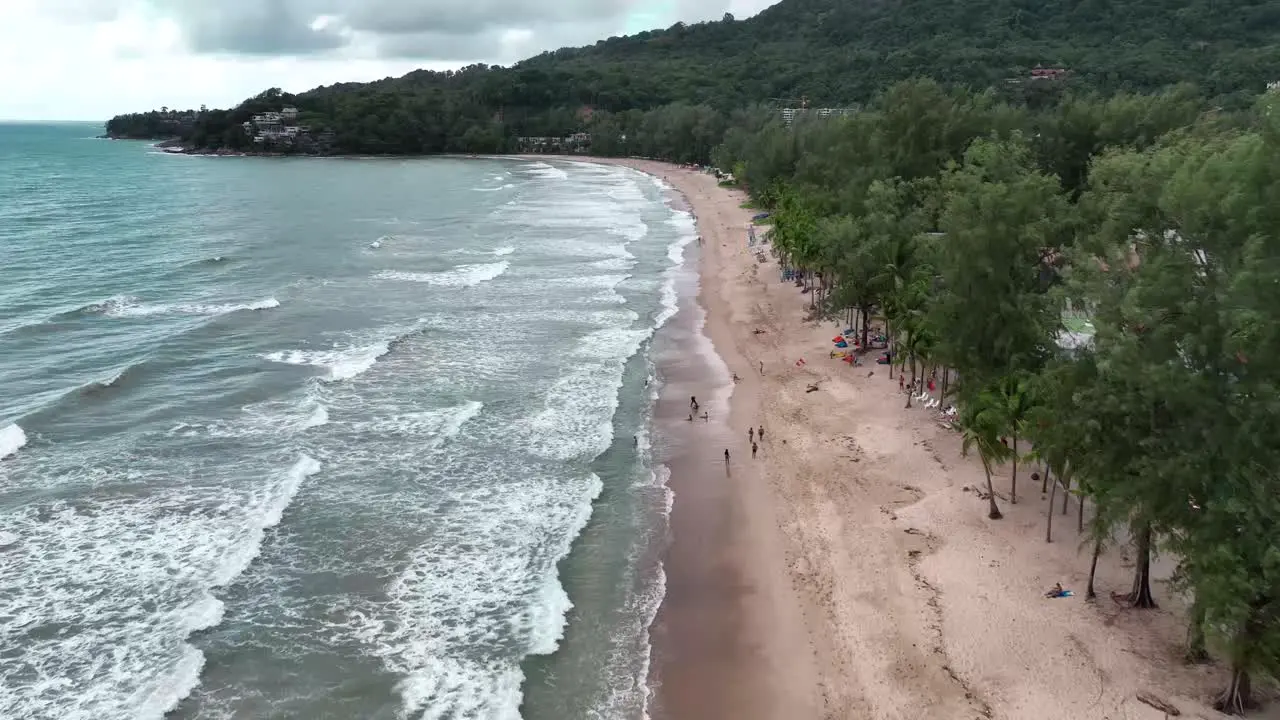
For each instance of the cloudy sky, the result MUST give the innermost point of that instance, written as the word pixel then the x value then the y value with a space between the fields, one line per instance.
pixel 91 59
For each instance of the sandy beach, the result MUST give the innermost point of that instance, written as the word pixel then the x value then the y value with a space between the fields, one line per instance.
pixel 850 571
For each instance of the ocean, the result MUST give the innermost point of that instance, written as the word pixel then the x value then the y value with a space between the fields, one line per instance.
pixel 327 438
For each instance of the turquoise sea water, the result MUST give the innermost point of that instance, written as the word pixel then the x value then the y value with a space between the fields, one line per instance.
pixel 346 438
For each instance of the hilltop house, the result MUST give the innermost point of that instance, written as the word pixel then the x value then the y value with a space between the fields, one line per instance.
pixel 278 128
pixel 1044 73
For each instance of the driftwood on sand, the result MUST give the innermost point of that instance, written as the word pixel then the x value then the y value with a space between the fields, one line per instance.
pixel 1158 704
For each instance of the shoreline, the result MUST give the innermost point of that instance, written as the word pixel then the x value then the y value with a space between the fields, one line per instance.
pixel 724 621
pixel 850 571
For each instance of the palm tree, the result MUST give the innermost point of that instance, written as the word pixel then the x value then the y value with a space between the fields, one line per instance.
pixel 980 425
pixel 917 346
pixel 1014 407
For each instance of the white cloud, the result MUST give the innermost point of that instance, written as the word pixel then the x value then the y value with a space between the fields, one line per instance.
pixel 91 59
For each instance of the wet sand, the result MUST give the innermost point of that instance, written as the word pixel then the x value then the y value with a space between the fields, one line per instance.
pixel 720 625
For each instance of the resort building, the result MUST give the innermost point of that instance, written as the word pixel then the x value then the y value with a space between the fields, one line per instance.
pixel 790 114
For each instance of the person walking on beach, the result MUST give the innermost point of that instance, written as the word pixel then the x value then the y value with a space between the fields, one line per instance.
pixel 754 447
pixel 706 417
pixel 693 402
pixel 751 434
pixel 726 457
pixel 760 433
pixel 761 367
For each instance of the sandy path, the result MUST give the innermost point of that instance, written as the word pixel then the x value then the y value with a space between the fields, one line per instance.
pixel 913 604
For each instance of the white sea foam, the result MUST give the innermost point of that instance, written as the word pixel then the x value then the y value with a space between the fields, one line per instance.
pixel 12 438
pixel 440 425
pixel 504 250
pixel 104 593
pixel 577 419
pixel 627 670
pixel 461 276
pixel 544 170
pixel 457 594
pixel 614 263
pixel 319 416
pixel 342 364
pixel 547 615
pixel 507 186
pixel 675 253
pixel 130 307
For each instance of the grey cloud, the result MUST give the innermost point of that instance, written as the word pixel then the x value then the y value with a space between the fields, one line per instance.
pixel 440 30
pixel 439 46
pixel 489 45
pixel 253 27
pixel 463 17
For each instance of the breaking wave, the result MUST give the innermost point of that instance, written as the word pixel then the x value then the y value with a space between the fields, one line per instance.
pixel 461 276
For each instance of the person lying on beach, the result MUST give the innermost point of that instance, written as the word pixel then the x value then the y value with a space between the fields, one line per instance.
pixel 1058 592
pixel 705 417
pixel 812 388
pixel 757 331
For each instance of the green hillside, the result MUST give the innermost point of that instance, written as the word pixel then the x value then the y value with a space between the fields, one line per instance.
pixel 828 52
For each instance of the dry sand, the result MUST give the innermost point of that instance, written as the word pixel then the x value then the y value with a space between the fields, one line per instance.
pixel 850 571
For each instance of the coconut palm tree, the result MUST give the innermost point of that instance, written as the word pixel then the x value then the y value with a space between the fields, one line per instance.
pixel 981 422
pixel 1015 406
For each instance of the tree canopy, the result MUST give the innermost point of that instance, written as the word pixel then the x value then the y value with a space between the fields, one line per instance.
pixel 670 93
pixel 1100 277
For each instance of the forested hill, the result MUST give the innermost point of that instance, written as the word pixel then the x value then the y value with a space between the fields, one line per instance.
pixel 826 52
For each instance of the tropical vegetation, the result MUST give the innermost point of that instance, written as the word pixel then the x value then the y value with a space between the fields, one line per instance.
pixel 966 225
pixel 673 93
